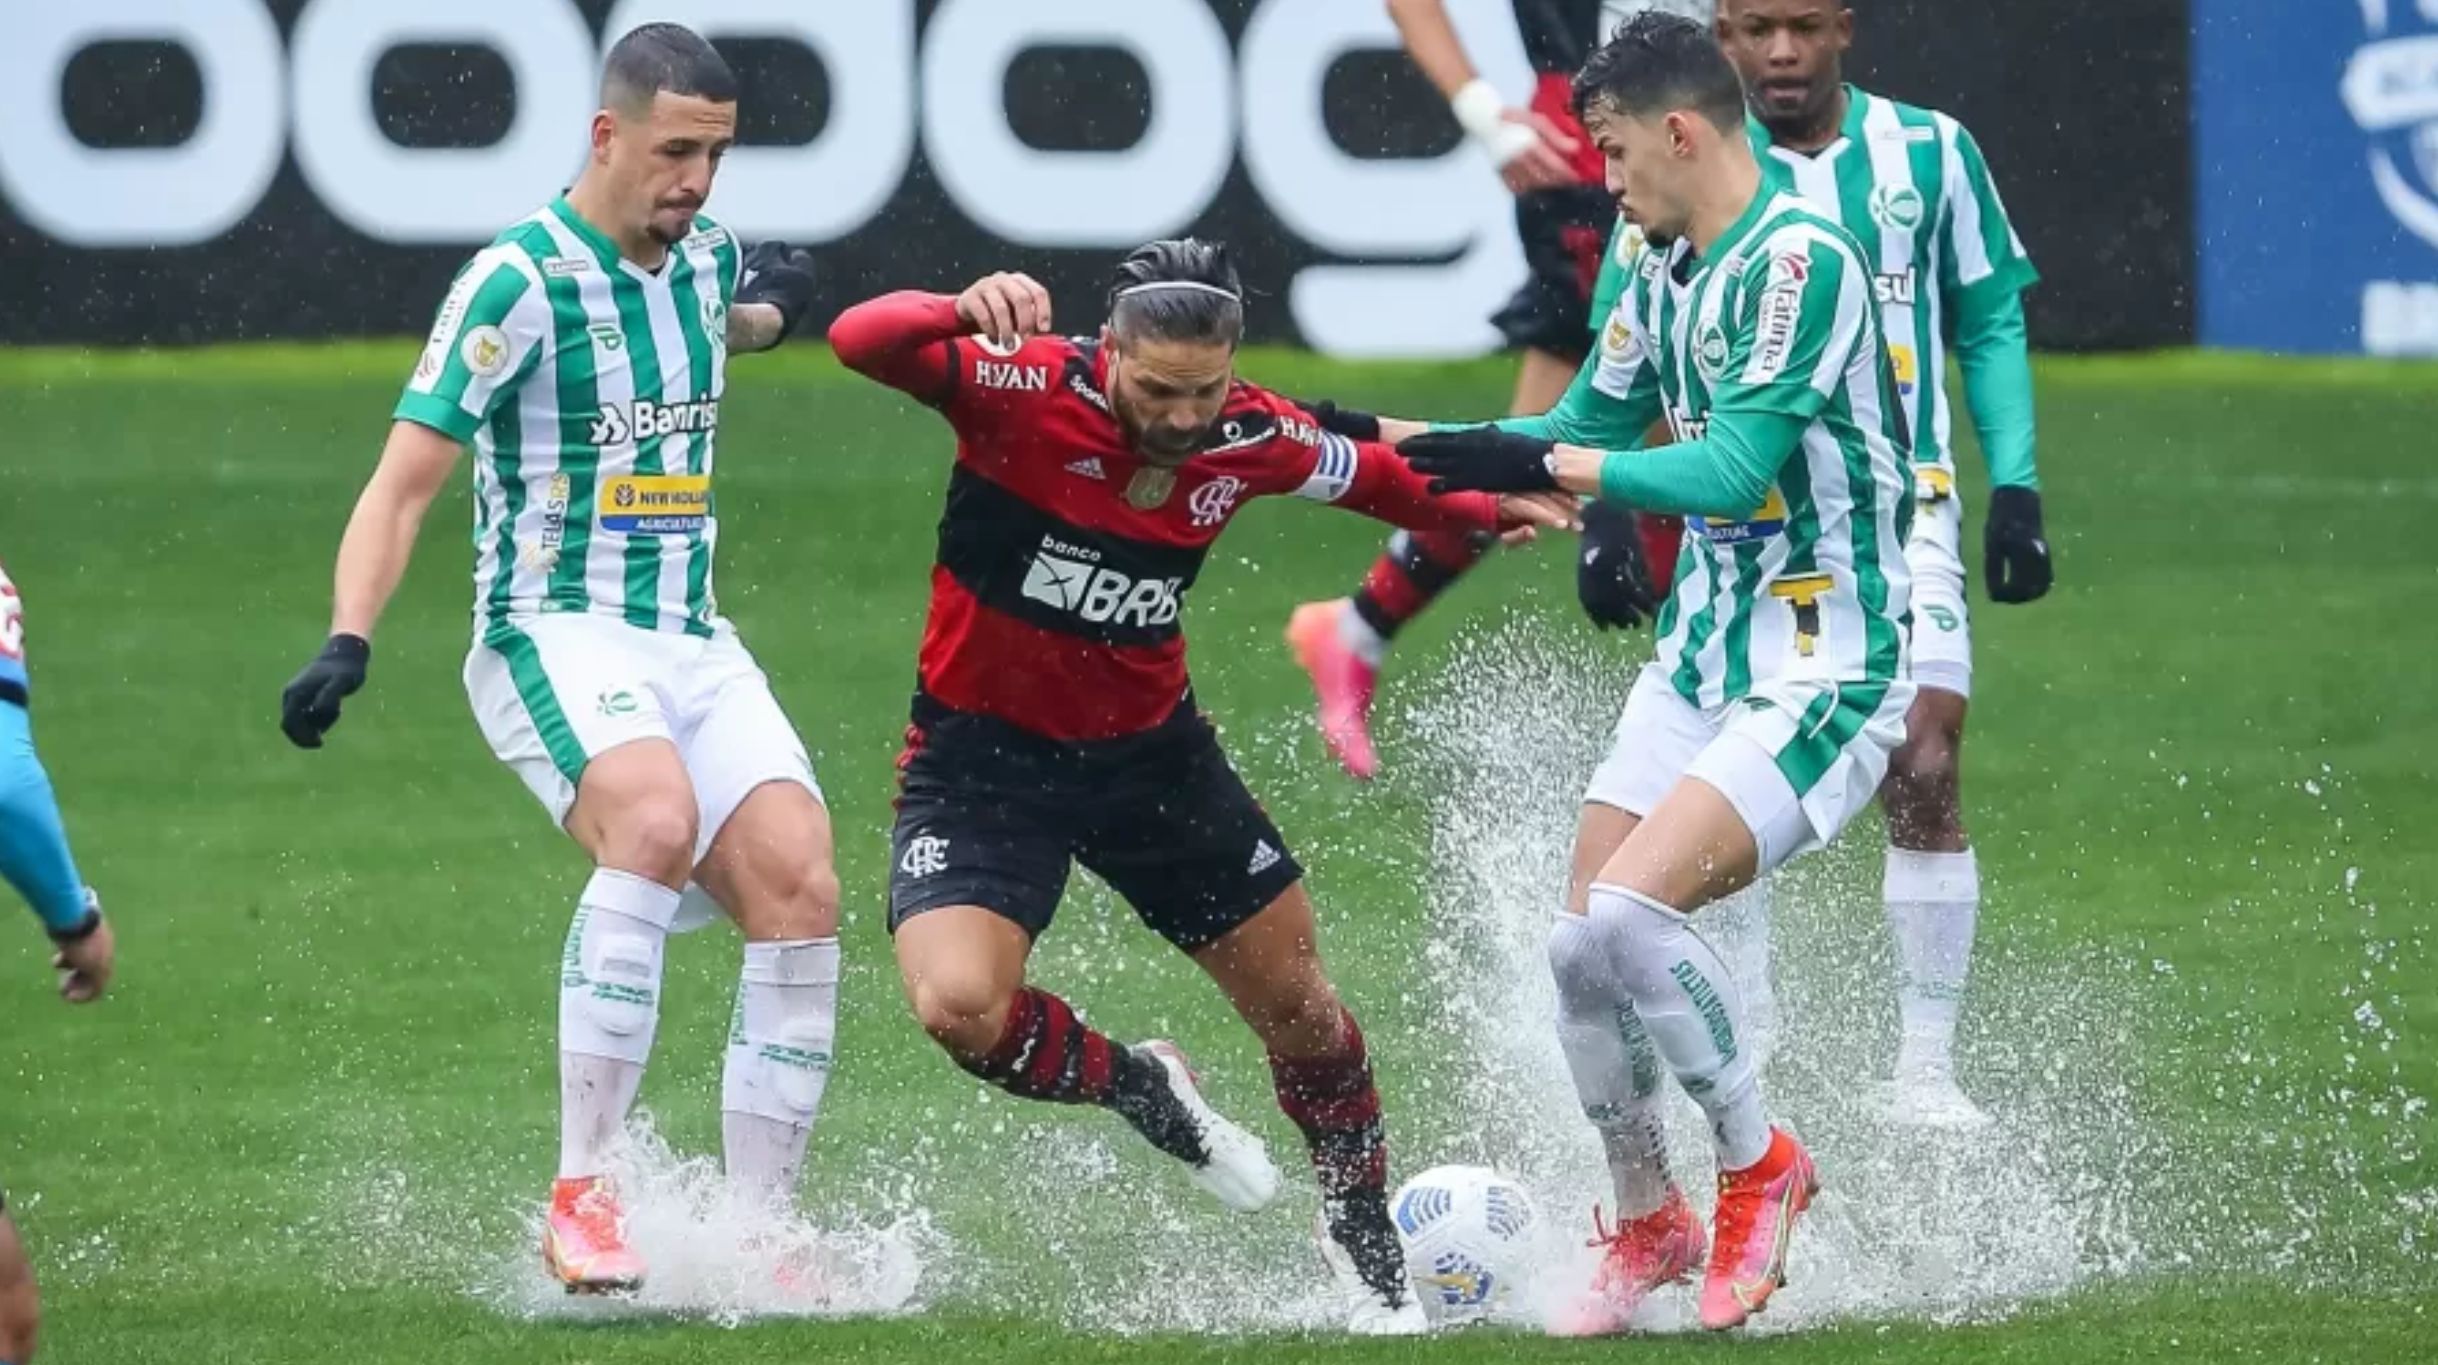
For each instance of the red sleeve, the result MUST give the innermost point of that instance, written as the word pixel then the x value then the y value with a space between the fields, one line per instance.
pixel 1366 477
pixel 906 340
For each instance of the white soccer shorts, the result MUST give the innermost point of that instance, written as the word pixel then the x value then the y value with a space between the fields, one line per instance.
pixel 1942 629
pixel 551 693
pixel 1798 759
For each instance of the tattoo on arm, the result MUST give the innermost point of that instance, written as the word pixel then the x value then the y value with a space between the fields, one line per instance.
pixel 753 326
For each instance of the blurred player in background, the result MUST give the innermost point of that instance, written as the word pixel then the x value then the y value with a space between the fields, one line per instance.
pixel 584 354
pixel 1913 188
pixel 1779 690
pixel 1054 721
pixel 36 863
pixel 1577 255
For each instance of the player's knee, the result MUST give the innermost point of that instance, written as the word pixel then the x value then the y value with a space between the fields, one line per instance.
pixel 1923 794
pixel 653 836
pixel 1302 1019
pixel 963 1014
pixel 796 897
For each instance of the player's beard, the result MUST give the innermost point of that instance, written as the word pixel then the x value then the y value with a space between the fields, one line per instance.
pixel 1163 447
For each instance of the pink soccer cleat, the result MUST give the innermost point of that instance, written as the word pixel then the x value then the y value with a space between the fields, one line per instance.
pixel 1342 680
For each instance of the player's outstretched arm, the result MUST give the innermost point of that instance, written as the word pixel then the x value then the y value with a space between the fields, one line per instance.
pixel 903 339
pixel 1529 151
pixel 373 555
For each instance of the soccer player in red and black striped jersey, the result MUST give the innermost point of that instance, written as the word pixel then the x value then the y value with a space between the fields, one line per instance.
pixel 1054 721
pixel 1565 216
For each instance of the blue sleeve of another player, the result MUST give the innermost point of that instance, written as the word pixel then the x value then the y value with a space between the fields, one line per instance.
pixel 34 855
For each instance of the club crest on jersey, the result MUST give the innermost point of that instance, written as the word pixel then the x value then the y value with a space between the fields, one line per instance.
pixel 1150 487
pixel 1008 377
pixel 1710 351
pixel 1211 503
pixel 1898 208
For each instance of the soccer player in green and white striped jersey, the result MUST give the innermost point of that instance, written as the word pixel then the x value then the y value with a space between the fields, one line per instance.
pixel 1913 188
pixel 583 354
pixel 1780 688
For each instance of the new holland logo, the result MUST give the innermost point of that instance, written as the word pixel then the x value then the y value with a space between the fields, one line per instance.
pixel 1071 579
pixel 2391 89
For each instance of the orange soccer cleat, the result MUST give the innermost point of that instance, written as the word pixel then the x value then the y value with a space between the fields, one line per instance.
pixel 584 1239
pixel 1660 1248
pixel 1755 1223
pixel 1342 679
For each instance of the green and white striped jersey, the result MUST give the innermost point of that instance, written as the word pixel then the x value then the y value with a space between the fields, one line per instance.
pixel 1911 186
pixel 590 390
pixel 1777 322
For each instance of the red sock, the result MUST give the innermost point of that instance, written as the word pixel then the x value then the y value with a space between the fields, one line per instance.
pixel 1046 1053
pixel 1412 572
pixel 1662 540
pixel 1333 1100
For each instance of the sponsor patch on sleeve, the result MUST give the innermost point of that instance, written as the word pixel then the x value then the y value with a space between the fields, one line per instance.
pixel 1332 470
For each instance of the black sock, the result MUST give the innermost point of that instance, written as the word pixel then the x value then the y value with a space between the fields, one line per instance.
pixel 1139 1093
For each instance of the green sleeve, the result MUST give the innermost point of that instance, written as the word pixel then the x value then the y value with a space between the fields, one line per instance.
pixel 1979 244
pixel 491 330
pixel 1625 247
pixel 1725 474
pixel 1796 319
pixel 1615 396
pixel 1992 350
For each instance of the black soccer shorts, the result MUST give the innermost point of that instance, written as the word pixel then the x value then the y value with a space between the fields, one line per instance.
pixel 1564 233
pixel 993 816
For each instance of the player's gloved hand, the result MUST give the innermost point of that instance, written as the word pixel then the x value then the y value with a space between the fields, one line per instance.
pixel 87 955
pixel 2015 551
pixel 781 276
pixel 1346 422
pixel 309 705
pixel 1610 578
pixel 1483 459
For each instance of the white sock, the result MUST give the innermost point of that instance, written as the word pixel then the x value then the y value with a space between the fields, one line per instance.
pixel 1688 1000
pixel 1616 1069
pixel 1934 904
pixel 609 1008
pixel 1361 636
pixel 779 1050
pixel 1739 927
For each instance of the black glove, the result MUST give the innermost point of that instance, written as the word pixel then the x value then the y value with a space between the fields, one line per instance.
pixel 309 706
pixel 1610 578
pixel 1483 459
pixel 2014 550
pixel 781 276
pixel 1346 422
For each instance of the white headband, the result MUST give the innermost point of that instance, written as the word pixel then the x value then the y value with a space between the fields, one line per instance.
pixel 1133 289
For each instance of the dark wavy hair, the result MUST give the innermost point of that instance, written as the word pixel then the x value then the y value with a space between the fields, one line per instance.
pixel 1183 289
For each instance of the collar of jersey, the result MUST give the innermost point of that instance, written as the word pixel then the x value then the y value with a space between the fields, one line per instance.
pixel 607 251
pixel 1849 132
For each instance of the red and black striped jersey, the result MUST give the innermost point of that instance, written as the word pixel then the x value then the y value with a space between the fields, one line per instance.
pixel 1064 557
pixel 1558 36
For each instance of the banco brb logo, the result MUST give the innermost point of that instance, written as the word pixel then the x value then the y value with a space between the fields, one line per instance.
pixel 2391 89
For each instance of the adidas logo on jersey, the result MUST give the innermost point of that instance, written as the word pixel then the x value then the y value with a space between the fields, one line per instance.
pixel 1265 857
pixel 1089 467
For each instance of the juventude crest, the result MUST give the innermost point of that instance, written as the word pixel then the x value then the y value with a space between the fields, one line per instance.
pixel 2391 89
pixel 1897 208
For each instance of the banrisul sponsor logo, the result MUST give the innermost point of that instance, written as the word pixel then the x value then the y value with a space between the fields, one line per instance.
pixel 1712 1009
pixel 617 425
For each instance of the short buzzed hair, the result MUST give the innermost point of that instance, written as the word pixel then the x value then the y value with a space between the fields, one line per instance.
pixel 657 57
pixel 1662 62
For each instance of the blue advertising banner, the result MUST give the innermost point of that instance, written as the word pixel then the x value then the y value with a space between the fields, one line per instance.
pixel 2315 128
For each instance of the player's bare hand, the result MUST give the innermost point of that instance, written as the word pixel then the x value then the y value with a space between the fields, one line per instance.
pixel 1006 307
pixel 1536 160
pixel 1523 516
pixel 85 965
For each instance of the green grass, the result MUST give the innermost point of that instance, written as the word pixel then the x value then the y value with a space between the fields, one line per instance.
pixel 309 1122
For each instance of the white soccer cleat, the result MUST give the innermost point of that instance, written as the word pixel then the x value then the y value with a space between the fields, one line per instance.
pixel 1390 1311
pixel 1924 1094
pixel 1235 1168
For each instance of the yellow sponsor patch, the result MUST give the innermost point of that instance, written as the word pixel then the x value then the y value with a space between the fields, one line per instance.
pixel 1932 484
pixel 655 504
pixel 1766 520
pixel 1908 367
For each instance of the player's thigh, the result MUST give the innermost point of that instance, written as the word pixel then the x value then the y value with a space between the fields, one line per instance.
pixel 1599 832
pixel 20 1309
pixel 1795 763
pixel 763 838
pixel 1941 643
pixel 1180 837
pixel 552 694
pixel 973 833
pixel 1656 738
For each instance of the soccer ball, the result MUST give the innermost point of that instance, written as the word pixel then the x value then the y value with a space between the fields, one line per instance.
pixel 1467 1233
